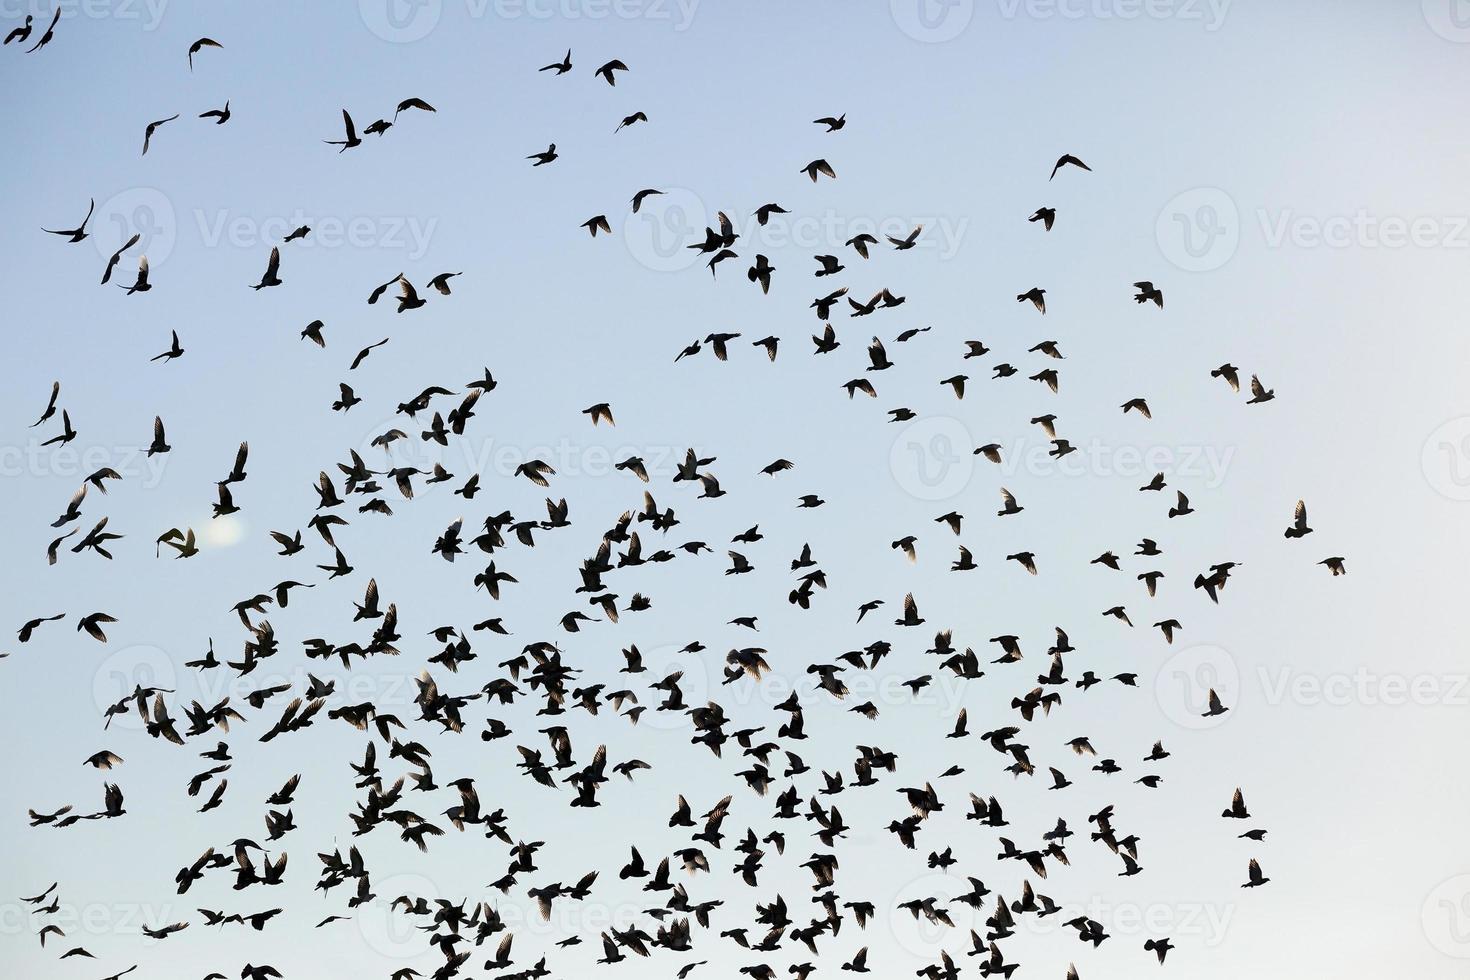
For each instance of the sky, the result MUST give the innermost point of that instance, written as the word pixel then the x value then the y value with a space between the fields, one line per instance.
pixel 1290 174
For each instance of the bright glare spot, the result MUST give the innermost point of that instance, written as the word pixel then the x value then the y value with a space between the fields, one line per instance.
pixel 222 532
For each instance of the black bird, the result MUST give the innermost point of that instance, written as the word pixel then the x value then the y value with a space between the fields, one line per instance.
pixel 1067 159
pixel 174 350
pixel 636 117
pixel 606 71
pixel 45 40
pixel 151 128
pixel 560 67
pixel 80 232
pixel 272 267
pixel 200 45
pixel 351 140
pixel 113 260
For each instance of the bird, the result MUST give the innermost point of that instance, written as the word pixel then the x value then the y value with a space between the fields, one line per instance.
pixel 79 233
pixel 174 349
pixel 160 442
pixel 560 67
pixel 1298 527
pixel 761 272
pixel 1259 392
pixel 200 45
pixel 272 268
pixel 908 241
pixel 1068 159
pixel 21 33
pixel 44 40
pixel 607 70
pixel 1035 296
pixel 412 103
pixel 642 196
pixel 1147 293
pixel 822 168
pixel 1138 405
pixel 220 116
pixel 627 121
pixel 141 284
pixel 351 140
pixel 152 128
pixel 116 256
pixel 1159 947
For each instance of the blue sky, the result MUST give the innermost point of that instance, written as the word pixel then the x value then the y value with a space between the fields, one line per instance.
pixel 1289 173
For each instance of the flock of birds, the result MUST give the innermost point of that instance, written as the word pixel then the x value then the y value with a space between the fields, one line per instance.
pixel 781 799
